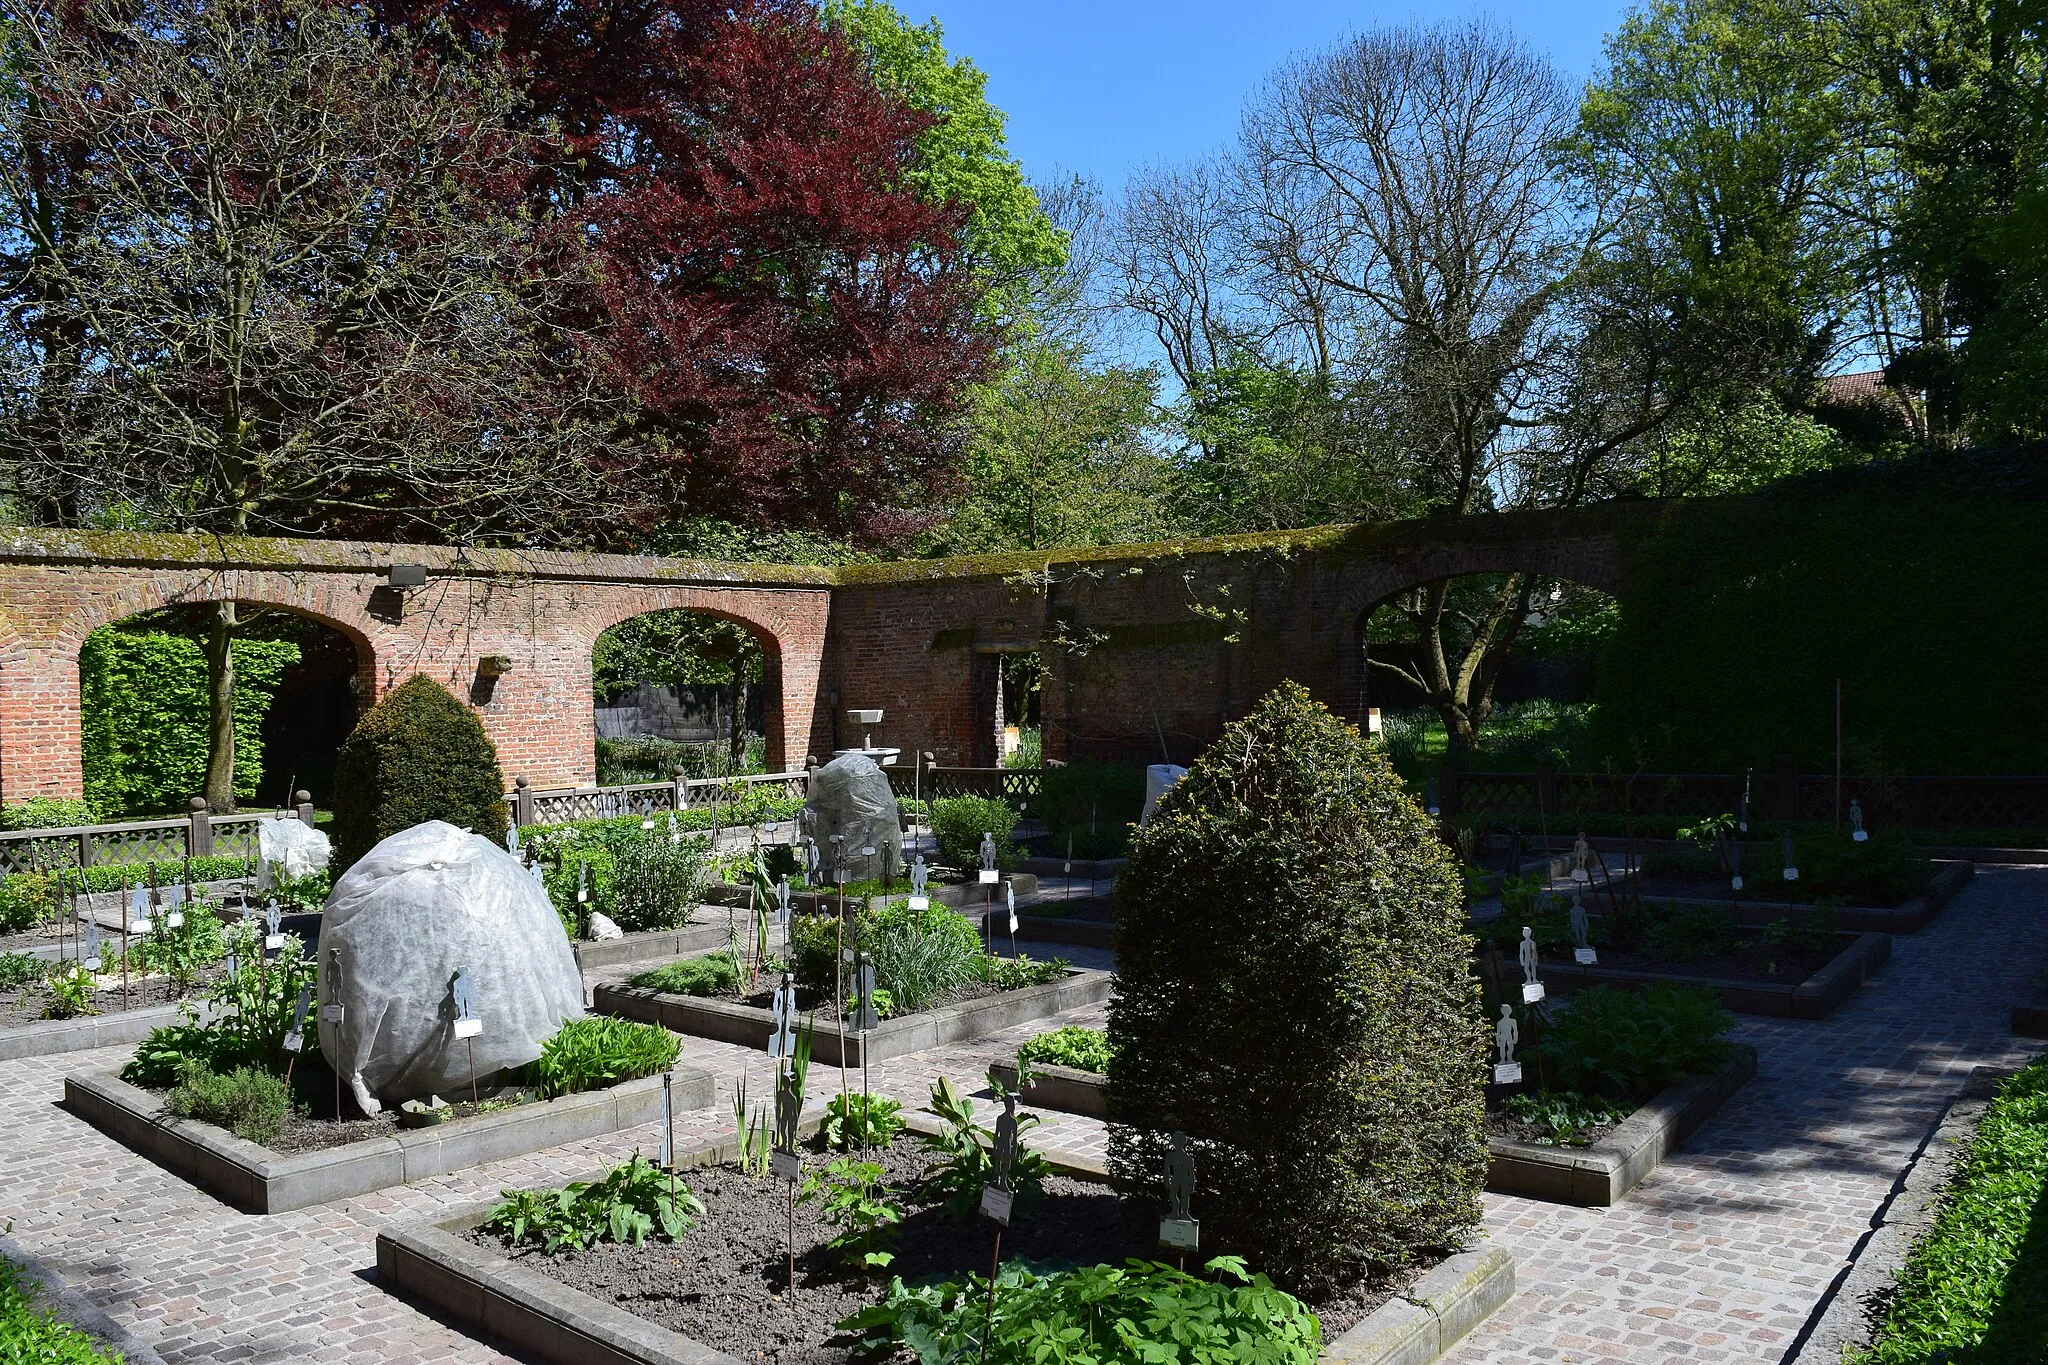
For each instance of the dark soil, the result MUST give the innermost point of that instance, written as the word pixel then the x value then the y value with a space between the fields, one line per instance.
pixel 1763 886
pixel 27 1004
pixel 828 1013
pixel 313 1125
pixel 725 1283
pixel 1500 1123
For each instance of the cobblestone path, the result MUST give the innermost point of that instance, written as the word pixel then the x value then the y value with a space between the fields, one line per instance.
pixel 1721 1255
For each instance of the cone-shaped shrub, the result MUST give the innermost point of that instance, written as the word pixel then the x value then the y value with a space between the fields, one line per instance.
pixel 419 755
pixel 1293 991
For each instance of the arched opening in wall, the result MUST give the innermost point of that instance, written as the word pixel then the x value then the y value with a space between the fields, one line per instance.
pixel 680 690
pixel 1489 671
pixel 145 719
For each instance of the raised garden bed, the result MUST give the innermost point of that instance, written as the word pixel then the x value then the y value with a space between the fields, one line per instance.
pixel 967 895
pixel 1600 1174
pixel 749 1025
pixel 652 945
pixel 1814 996
pixel 1909 916
pixel 263 1181
pixel 718 1283
pixel 1065 1088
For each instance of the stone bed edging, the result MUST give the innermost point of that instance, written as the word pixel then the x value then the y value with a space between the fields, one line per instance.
pixel 483 1289
pixel 1595 1176
pixel 682 941
pixel 749 1025
pixel 1814 998
pixel 1907 917
pixel 962 896
pixel 49 1036
pixel 259 1180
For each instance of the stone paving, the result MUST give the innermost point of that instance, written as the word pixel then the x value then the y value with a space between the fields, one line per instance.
pixel 1723 1254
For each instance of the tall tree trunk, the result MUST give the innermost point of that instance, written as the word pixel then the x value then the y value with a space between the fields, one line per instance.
pixel 220 710
pixel 739 715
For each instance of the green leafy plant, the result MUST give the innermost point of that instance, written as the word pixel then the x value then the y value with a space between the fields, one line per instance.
pixel 598 1051
pixel 1973 1287
pixel 853 1119
pixel 47 812
pixel 634 1201
pixel 1091 806
pixel 584 865
pixel 958 822
pixel 713 975
pixel 70 994
pixel 962 1160
pixel 27 899
pixel 1564 1115
pixel 418 755
pixel 307 893
pixel 20 969
pixel 257 1002
pixel 755 1133
pixel 159 1055
pixel 918 955
pixel 856 1202
pixel 1688 933
pixel 1084 1049
pixel 1015 973
pixel 1709 831
pixel 180 953
pixel 1294 992
pixel 250 1102
pixel 35 1335
pixel 656 884
pixel 1625 1047
pixel 1136 1314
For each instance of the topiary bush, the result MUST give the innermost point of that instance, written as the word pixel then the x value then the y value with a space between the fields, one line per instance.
pixel 47 812
pixel 418 755
pixel 1293 990
pixel 656 884
pixel 958 822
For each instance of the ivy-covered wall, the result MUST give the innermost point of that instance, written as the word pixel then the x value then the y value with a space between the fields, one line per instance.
pixel 1924 590
pixel 142 699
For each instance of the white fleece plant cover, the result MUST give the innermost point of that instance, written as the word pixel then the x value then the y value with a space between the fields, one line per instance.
pixel 422 903
pixel 850 797
pixel 293 845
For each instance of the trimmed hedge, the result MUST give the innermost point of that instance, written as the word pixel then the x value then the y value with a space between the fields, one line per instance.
pixel 418 755
pixel 1293 991
pixel 1736 622
pixel 958 822
pixel 142 717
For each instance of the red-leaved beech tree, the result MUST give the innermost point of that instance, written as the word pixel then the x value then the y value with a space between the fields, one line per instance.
pixel 794 324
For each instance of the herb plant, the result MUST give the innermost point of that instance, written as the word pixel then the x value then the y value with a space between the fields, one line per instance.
pixel 70 994
pixel 634 1201
pixel 1625 1047
pixel 1015 973
pixel 20 969
pixel 1084 1049
pixel 854 1120
pixel 1135 1314
pixel 598 1051
pixel 655 883
pixel 958 822
pixel 250 1102
pixel 159 1056
pixel 1566 1116
pixel 962 1160
pixel 706 976
pixel 856 1202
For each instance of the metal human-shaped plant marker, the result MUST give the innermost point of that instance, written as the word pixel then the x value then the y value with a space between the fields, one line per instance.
pixel 1582 951
pixel 998 1199
pixel 138 910
pixel 920 877
pixel 1735 864
pixel 788 1163
pixel 675 831
pixel 332 1012
pixel 1742 811
pixel 865 1019
pixel 90 957
pixel 988 853
pixel 174 906
pixel 782 902
pixel 1507 1036
pixel 1582 853
pixel 462 999
pixel 1791 860
pixel 1010 899
pixel 1856 830
pixel 646 812
pixel 1178 1230
pixel 512 838
pixel 1532 987
pixel 1430 804
pixel 782 1036
pixel 295 1037
pixel 273 933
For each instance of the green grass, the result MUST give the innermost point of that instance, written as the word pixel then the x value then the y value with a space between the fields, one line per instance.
pixel 1974 1289
pixel 29 1334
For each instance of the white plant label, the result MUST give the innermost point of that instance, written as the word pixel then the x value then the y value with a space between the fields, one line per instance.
pixel 1532 991
pixel 1585 957
pixel 989 876
pixel 1180 1234
pixel 174 920
pixel 1507 1073
pixel 273 942
pixel 138 926
pixel 468 1028
pixel 920 903
pixel 995 1204
pixel 294 1041
pixel 330 1014
pixel 787 1166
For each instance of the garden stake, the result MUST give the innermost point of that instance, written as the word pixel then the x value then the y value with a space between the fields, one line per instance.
pixel 988 1320
pixel 124 957
pixel 839 985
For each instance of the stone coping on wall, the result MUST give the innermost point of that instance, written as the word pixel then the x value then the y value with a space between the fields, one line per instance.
pixel 654 944
pixel 1814 998
pixel 48 1036
pixel 1065 1088
pixel 483 1289
pixel 1599 1175
pixel 749 1025
pixel 259 1180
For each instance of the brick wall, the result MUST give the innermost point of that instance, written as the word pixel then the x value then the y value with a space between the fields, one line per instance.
pixel 1150 650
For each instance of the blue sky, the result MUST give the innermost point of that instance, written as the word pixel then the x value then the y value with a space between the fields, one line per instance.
pixel 1106 86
